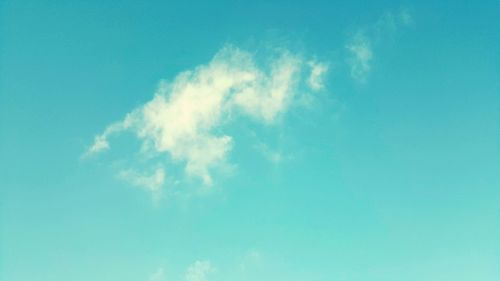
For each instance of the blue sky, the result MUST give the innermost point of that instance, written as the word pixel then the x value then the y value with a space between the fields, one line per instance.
pixel 249 140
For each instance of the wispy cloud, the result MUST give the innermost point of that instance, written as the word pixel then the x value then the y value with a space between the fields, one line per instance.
pixel 360 45
pixel 318 71
pixel 158 275
pixel 203 270
pixel 199 271
pixel 250 260
pixel 151 182
pixel 274 156
pixel 101 141
pixel 361 57
pixel 185 118
pixel 405 17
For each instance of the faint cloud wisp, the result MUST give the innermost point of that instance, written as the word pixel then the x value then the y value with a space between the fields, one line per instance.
pixel 199 271
pixel 361 44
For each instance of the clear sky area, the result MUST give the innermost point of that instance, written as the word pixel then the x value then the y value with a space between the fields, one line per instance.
pixel 249 140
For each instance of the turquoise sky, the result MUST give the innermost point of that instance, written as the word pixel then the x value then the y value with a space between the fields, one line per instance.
pixel 311 140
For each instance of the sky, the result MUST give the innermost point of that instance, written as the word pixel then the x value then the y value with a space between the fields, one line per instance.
pixel 249 140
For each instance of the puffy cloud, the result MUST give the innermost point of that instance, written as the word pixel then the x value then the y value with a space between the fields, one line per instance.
pixel 270 94
pixel 184 120
pixel 199 271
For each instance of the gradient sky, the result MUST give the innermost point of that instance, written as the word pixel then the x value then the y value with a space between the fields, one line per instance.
pixel 385 167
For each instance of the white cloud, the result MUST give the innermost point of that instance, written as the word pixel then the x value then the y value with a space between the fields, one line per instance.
pixel 101 141
pixel 158 275
pixel 152 182
pixel 360 46
pixel 185 118
pixel 361 57
pixel 270 94
pixel 199 271
pixel 318 70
